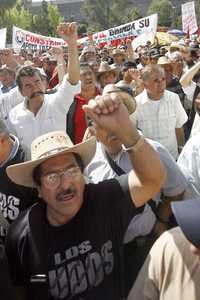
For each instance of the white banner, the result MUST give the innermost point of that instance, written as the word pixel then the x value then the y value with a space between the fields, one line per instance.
pixel 27 40
pixel 135 28
pixel 3 32
pixel 189 22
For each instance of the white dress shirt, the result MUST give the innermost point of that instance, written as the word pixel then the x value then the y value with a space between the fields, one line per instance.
pixel 158 119
pixel 189 162
pixel 50 117
pixel 8 101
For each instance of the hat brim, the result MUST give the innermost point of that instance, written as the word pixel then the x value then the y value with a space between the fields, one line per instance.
pixel 187 214
pixel 118 53
pixel 22 173
pixel 99 73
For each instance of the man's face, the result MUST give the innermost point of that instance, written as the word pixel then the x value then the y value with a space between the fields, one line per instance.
pixel 6 78
pixel 65 197
pixel 145 60
pixel 109 140
pixel 168 73
pixel 107 78
pixel 87 77
pixel 32 87
pixel 155 85
pixel 118 58
pixel 90 56
pixel 178 65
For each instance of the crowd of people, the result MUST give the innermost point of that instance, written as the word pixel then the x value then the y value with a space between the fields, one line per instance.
pixel 99 167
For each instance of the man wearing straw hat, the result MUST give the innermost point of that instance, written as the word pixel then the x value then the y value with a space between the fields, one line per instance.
pixel 106 74
pixel 70 245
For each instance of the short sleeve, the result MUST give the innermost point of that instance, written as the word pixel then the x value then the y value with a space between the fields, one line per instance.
pixel 181 116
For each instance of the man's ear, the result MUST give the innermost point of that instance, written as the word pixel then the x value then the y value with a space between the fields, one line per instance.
pixel 3 138
pixel 39 191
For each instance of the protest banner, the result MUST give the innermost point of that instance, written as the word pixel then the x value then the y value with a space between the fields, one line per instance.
pixel 189 22
pixel 27 40
pixel 3 32
pixel 135 28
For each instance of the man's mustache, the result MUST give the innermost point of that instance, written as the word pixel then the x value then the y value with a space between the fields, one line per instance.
pixel 63 193
pixel 38 93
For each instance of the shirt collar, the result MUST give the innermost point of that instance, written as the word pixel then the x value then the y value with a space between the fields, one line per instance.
pixel 13 152
pixel 145 98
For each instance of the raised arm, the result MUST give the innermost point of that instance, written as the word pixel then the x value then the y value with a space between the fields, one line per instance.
pixel 61 65
pixel 188 76
pixel 68 31
pixel 145 181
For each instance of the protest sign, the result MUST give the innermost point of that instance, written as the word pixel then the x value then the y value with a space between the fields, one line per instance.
pixel 3 32
pixel 189 22
pixel 27 40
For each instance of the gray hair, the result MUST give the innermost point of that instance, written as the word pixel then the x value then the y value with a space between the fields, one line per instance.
pixel 151 69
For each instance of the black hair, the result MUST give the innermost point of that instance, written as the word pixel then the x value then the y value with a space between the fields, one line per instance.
pixel 26 71
pixel 37 170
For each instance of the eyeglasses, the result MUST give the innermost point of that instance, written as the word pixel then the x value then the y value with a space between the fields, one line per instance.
pixel 53 180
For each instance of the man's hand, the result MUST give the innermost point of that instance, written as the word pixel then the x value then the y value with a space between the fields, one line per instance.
pixel 68 32
pixel 134 74
pixel 110 113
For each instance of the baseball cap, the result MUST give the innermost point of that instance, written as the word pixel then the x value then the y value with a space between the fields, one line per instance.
pixel 187 214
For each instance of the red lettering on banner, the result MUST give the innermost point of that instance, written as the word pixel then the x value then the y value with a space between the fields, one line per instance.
pixel 27 37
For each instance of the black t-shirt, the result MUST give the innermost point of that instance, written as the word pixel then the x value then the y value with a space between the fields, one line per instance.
pixel 83 258
pixel 13 197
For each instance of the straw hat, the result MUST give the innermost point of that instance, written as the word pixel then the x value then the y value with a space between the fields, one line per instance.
pixel 128 99
pixel 118 51
pixel 163 60
pixel 104 68
pixel 47 146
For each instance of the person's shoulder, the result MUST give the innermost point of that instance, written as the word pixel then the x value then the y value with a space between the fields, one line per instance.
pixel 169 95
pixel 17 110
pixel 108 186
pixel 140 97
pixel 20 227
pixel 193 144
pixel 168 242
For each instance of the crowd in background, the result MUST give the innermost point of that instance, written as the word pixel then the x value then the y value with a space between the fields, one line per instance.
pixel 66 90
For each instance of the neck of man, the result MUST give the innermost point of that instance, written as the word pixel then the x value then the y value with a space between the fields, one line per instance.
pixel 88 93
pixel 113 152
pixel 34 104
pixel 154 96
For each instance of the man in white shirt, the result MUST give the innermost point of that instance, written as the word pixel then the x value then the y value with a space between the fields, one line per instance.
pixel 40 113
pixel 189 162
pixel 160 114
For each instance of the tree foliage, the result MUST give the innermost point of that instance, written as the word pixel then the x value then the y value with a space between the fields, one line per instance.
pixel 164 8
pixel 47 19
pixel 45 22
pixel 104 14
